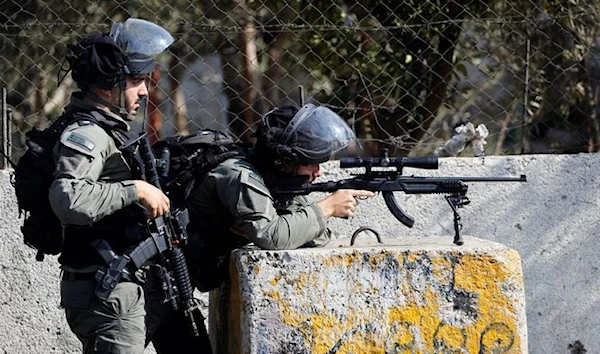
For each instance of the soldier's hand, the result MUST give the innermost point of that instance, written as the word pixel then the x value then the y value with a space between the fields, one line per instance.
pixel 342 203
pixel 152 198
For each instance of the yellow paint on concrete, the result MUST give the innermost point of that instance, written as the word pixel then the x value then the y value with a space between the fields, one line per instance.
pixel 484 275
pixel 305 281
pixel 345 260
pixel 273 294
pixel 416 316
pixel 416 325
pixel 276 279
pixel 442 268
pixel 361 342
pixel 376 259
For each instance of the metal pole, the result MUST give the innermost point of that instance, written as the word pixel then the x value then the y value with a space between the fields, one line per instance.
pixel 5 131
pixel 301 93
pixel 525 97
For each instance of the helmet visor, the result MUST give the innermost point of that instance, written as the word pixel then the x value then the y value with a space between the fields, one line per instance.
pixel 317 134
pixel 143 41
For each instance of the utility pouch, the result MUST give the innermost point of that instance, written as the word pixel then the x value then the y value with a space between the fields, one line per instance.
pixel 109 275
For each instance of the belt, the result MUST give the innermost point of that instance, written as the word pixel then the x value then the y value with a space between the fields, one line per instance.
pixel 78 276
pixel 89 276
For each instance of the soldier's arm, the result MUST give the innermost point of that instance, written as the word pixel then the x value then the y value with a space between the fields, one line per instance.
pixel 251 205
pixel 322 239
pixel 78 195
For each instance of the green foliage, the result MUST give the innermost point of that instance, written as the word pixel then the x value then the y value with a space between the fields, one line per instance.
pixel 377 52
pixel 33 41
pixel 393 68
pixel 560 35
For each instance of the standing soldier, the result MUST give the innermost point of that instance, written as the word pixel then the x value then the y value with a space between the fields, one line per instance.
pixel 95 193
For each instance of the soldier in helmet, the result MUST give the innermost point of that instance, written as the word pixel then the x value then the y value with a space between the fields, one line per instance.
pixel 94 190
pixel 232 206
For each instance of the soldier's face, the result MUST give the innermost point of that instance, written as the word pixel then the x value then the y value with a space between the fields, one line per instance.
pixel 312 171
pixel 135 89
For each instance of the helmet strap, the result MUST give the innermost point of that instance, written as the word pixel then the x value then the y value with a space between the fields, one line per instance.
pixel 94 97
pixel 123 100
pixel 121 109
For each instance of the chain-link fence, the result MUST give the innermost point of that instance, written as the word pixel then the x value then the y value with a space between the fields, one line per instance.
pixel 405 74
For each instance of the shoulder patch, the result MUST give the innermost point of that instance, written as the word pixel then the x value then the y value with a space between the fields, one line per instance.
pixel 253 180
pixel 241 162
pixel 81 140
pixel 84 122
pixel 256 177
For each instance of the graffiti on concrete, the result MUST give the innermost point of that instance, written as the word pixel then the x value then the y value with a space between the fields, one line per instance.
pixel 496 338
pixel 399 303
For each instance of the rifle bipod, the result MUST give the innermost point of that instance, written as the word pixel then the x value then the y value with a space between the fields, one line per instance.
pixel 457 201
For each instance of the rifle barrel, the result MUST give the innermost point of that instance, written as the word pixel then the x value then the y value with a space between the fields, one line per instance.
pixel 522 178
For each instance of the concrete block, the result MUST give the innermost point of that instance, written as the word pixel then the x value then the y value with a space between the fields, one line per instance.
pixel 410 295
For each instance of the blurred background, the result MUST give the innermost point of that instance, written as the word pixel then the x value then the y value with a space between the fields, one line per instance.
pixel 404 74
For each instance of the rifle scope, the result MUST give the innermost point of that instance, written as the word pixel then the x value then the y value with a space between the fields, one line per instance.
pixel 424 162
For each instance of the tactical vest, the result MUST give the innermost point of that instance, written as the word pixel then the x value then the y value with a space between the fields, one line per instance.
pixel 117 229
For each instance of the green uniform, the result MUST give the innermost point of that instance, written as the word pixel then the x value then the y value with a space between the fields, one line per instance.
pixel 235 193
pixel 92 180
pixel 91 193
pixel 232 207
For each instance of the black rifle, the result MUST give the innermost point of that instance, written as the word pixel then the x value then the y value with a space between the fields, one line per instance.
pixel 389 181
pixel 166 235
pixel 172 228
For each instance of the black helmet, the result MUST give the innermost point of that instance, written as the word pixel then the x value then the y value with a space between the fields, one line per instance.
pixel 97 61
pixel 310 134
pixel 130 48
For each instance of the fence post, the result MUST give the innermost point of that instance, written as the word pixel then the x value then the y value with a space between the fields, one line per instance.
pixel 524 131
pixel 5 133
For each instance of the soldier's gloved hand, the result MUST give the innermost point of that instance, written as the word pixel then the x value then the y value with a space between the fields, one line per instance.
pixel 342 203
pixel 152 198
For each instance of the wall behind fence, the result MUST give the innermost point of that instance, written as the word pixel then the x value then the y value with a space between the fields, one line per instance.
pixel 403 73
pixel 551 220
